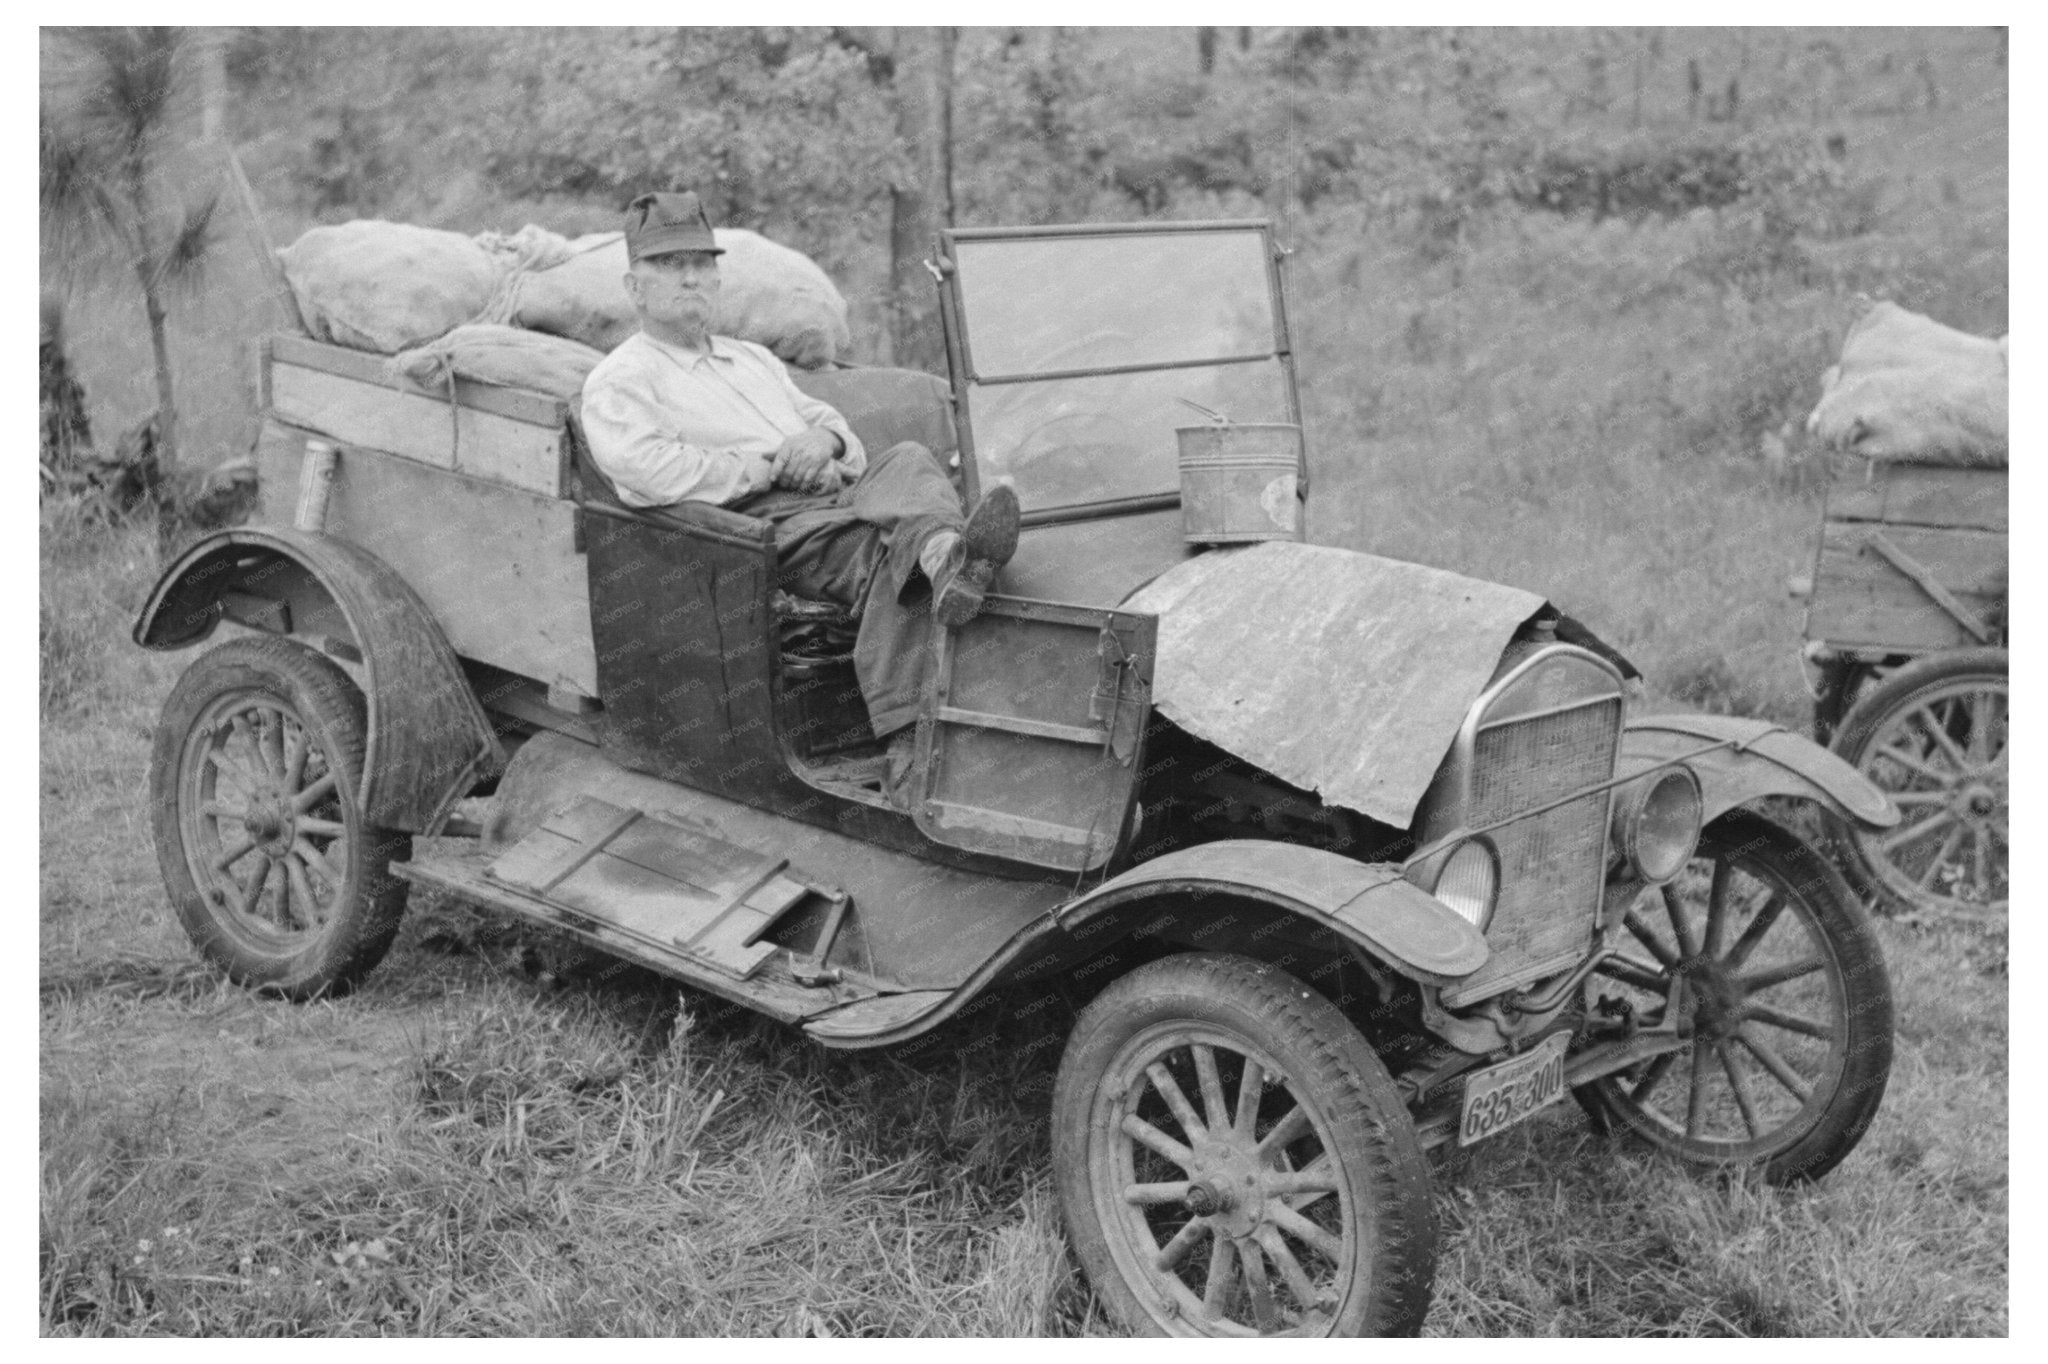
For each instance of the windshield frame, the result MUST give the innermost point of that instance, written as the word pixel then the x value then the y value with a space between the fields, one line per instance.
pixel 960 355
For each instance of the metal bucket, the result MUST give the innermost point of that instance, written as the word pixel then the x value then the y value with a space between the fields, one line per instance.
pixel 1237 482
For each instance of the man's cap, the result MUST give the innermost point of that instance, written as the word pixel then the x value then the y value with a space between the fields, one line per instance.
pixel 657 224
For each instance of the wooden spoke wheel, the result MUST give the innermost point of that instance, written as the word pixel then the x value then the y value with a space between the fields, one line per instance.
pixel 1763 960
pixel 1234 1160
pixel 275 874
pixel 1932 737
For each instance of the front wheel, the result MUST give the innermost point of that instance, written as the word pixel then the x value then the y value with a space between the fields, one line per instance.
pixel 273 870
pixel 1762 960
pixel 1233 1159
pixel 1932 737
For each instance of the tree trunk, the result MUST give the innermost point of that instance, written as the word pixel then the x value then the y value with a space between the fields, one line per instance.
pixel 146 263
pixel 211 53
pixel 922 200
pixel 159 345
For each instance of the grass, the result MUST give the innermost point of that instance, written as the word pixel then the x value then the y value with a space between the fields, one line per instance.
pixel 500 1137
pixel 495 1137
pixel 493 1140
pixel 1572 409
pixel 464 1150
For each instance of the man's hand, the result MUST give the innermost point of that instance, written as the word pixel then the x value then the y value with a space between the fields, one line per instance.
pixel 808 463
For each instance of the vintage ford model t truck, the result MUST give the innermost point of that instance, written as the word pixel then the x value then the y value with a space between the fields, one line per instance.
pixel 1356 858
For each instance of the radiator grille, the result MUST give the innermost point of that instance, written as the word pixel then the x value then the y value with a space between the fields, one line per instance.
pixel 1552 864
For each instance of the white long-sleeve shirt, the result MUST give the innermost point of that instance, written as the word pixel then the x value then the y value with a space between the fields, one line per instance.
pixel 669 425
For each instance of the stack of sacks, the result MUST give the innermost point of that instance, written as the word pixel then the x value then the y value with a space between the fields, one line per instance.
pixel 391 287
pixel 770 295
pixel 1911 390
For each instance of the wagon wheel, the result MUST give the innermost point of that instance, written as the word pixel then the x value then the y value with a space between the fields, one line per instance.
pixel 276 875
pixel 1932 737
pixel 1760 954
pixel 1234 1160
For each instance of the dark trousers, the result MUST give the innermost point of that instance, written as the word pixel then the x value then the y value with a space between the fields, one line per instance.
pixel 858 547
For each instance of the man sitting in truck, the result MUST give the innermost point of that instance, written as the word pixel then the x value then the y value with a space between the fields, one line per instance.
pixel 676 414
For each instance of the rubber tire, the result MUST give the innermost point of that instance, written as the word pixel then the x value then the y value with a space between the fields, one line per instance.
pixel 372 901
pixel 1322 1055
pixel 1873 708
pixel 1847 933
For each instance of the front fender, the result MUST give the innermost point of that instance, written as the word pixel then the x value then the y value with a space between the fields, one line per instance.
pixel 1745 759
pixel 1368 902
pixel 429 741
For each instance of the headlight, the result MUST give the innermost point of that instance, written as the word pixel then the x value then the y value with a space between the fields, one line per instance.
pixel 1469 881
pixel 1657 823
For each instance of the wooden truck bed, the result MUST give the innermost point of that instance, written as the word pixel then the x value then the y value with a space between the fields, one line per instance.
pixel 1911 559
pixel 466 496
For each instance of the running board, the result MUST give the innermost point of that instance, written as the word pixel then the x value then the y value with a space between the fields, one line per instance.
pixel 772 990
pixel 665 878
pixel 665 891
pixel 835 1012
pixel 660 890
pixel 862 1019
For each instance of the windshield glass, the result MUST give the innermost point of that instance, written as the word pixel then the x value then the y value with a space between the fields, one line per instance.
pixel 1187 316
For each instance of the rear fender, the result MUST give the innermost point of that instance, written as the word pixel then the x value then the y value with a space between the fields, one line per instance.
pixel 1739 760
pixel 1369 904
pixel 429 741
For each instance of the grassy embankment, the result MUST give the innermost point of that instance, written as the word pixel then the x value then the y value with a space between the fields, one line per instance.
pixel 475 1143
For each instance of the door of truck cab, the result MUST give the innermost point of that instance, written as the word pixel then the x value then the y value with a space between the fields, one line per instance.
pixel 1030 734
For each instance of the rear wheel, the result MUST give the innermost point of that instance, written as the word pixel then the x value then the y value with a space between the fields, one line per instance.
pixel 1771 972
pixel 1932 737
pixel 1234 1160
pixel 276 876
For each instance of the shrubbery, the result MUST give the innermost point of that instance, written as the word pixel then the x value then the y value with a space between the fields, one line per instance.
pixel 791 131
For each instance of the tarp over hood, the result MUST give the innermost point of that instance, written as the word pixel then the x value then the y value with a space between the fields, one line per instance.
pixel 1338 672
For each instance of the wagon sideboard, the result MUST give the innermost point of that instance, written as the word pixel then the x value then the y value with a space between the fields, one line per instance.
pixel 1911 558
pixel 465 495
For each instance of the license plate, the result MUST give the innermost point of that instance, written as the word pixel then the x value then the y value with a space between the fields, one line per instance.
pixel 1502 1095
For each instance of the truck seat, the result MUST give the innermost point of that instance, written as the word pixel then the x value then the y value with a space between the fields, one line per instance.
pixel 888 406
pixel 884 407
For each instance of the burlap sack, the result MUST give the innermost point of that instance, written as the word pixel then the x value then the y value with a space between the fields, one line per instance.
pixel 771 295
pixel 498 354
pixel 779 298
pixel 1909 389
pixel 385 286
pixel 583 298
pixel 532 247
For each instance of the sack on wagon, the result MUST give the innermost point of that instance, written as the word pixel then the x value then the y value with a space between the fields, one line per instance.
pixel 380 286
pixel 770 294
pixel 1912 390
pixel 779 298
pixel 497 354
